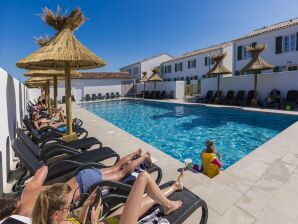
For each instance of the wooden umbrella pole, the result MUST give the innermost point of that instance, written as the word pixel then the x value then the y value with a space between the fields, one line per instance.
pixel 255 87
pixel 48 97
pixel 218 80
pixel 68 103
pixel 144 91
pixel 55 92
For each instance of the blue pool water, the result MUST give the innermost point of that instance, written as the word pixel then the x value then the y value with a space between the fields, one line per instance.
pixel 182 130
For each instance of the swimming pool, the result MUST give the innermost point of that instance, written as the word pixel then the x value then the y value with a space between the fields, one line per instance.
pixel 182 130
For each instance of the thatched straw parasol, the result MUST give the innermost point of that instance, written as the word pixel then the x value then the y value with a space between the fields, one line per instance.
pixel 144 79
pixel 256 65
pixel 44 82
pixel 52 74
pixel 218 70
pixel 155 77
pixel 63 52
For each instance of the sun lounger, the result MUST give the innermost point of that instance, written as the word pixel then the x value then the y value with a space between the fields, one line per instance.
pixel 208 97
pixel 94 97
pixel 99 96
pixel 292 98
pixel 190 202
pixel 107 96
pixel 228 98
pixel 163 94
pixel 50 132
pixel 249 97
pixel 157 95
pixel 87 97
pixel 63 100
pixel 50 144
pixel 118 95
pixel 73 98
pixel 64 169
pixel 113 95
pixel 238 100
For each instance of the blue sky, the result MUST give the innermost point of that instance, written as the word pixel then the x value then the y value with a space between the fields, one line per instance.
pixel 124 31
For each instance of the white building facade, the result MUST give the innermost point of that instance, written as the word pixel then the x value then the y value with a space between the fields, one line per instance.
pixel 146 65
pixel 282 47
pixel 192 67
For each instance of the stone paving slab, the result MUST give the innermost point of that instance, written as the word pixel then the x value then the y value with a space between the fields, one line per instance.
pixel 260 188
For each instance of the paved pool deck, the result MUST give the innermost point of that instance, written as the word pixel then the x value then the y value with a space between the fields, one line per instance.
pixel 260 188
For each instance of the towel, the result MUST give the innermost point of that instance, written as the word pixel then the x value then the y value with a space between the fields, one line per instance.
pixel 154 218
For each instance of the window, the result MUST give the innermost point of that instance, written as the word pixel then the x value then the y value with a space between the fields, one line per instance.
pixel 167 69
pixel 178 67
pixel 289 43
pixel 135 70
pixel 195 77
pixel 246 54
pixel 192 63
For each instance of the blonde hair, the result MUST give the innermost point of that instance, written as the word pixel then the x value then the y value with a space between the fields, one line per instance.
pixel 210 147
pixel 49 201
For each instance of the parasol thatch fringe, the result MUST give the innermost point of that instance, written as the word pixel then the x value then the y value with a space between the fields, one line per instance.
pixel 42 41
pixel 50 73
pixel 256 64
pixel 60 21
pixel 218 68
pixel 145 77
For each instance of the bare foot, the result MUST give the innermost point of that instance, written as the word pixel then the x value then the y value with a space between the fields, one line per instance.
pixel 139 152
pixel 173 205
pixel 178 183
pixel 148 159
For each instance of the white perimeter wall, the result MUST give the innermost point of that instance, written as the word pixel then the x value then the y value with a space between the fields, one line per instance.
pixel 176 86
pixel 282 81
pixel 81 87
pixel 14 97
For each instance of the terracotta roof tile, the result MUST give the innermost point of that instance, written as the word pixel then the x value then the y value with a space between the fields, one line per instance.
pixel 273 27
pixel 102 75
pixel 201 51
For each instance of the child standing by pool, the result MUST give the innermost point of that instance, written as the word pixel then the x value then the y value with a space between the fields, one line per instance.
pixel 210 163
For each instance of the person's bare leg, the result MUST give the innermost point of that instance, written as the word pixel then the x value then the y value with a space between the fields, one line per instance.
pixel 123 161
pixel 132 212
pixel 148 202
pixel 120 174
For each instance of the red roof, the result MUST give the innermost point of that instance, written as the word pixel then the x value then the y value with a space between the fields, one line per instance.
pixel 102 75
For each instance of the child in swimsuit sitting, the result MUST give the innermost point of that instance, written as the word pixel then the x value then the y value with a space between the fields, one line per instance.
pixel 210 163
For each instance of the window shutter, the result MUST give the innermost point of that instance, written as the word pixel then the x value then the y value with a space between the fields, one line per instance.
pixel 278 45
pixel 206 62
pixel 195 62
pixel 296 41
pixel 162 69
pixel 175 67
pixel 239 53
pixel 212 61
pixel 188 64
pixel 181 66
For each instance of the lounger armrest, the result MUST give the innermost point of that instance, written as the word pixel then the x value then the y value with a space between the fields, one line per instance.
pixel 47 154
pixel 64 162
pixel 47 128
pixel 120 186
pixel 51 140
pixel 157 169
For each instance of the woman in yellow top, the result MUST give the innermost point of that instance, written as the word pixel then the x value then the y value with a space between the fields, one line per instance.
pixel 210 163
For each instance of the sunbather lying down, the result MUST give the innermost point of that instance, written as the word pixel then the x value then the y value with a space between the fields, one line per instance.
pixel 39 122
pixel 52 205
pixel 80 184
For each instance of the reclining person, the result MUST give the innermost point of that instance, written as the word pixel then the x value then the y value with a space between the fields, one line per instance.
pixel 53 204
pixel 80 184
pixel 39 122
